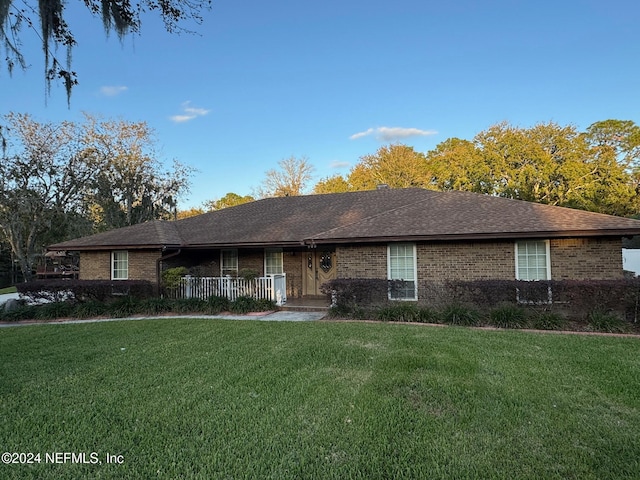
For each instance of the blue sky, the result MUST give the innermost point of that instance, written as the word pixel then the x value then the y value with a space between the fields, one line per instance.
pixel 335 80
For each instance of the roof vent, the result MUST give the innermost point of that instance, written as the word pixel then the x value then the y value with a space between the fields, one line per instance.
pixel 382 186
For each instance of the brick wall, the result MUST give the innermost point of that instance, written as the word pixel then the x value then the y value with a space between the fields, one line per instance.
pixel 590 258
pixel 586 258
pixel 361 261
pixel 97 265
pixel 466 261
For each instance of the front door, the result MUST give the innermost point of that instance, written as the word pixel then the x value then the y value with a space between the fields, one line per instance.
pixel 320 267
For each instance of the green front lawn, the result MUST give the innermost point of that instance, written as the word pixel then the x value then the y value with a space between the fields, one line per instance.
pixel 242 399
pixel 8 290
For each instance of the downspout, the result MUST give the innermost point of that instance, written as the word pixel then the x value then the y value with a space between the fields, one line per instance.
pixel 160 260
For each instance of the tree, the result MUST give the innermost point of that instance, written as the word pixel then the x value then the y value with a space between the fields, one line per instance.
pixel 290 180
pixel 43 179
pixel 191 212
pixel 130 186
pixel 398 166
pixel 457 164
pixel 546 163
pixel 229 200
pixel 123 17
pixel 335 184
pixel 620 137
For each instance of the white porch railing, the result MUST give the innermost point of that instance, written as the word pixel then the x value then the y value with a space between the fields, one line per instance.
pixel 271 287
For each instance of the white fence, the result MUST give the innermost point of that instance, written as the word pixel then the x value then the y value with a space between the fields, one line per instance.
pixel 271 287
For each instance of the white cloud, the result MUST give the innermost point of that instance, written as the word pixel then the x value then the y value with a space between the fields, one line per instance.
pixel 189 113
pixel 113 90
pixel 390 134
pixel 338 164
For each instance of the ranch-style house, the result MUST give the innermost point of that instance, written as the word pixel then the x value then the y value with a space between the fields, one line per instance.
pixel 295 244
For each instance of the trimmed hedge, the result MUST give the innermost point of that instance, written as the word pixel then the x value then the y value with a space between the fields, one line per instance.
pixel 597 305
pixel 76 291
pixel 126 306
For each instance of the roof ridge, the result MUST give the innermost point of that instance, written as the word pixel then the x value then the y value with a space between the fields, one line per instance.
pixel 161 229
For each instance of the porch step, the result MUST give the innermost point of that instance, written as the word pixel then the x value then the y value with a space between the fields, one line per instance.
pixel 305 305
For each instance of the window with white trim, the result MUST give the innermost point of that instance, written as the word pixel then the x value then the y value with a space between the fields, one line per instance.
pixel 401 262
pixel 533 260
pixel 533 264
pixel 273 261
pixel 229 262
pixel 120 265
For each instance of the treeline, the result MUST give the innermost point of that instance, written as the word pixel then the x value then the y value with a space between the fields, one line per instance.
pixel 596 170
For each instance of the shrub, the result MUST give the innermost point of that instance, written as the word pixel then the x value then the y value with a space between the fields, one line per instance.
pixel 264 305
pixel 189 305
pixel 124 307
pixel 171 278
pixel 154 306
pixel 428 315
pixel 83 290
pixel 399 312
pixel 90 309
pixel 359 291
pixel 53 310
pixel 549 321
pixel 217 304
pixel 23 312
pixel 460 315
pixel 601 321
pixel 508 316
pixel 244 304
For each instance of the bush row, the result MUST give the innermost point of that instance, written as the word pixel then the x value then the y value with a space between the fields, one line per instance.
pixel 602 305
pixel 77 291
pixel 127 305
pixel 505 316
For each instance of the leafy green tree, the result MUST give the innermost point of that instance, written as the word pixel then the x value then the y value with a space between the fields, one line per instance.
pixel 229 200
pixel 123 17
pixel 618 137
pixel 546 163
pixel 334 184
pixel 398 166
pixel 457 164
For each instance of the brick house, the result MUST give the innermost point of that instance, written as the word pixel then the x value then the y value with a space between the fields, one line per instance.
pixel 409 234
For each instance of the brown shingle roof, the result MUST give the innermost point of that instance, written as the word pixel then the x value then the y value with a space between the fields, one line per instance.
pixel 377 215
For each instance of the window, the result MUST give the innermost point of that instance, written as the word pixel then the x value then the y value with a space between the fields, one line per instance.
pixel 273 261
pixel 229 263
pixel 532 260
pixel 402 266
pixel 120 265
pixel 533 265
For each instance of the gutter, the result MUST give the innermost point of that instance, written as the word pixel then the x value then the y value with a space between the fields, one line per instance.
pixel 312 242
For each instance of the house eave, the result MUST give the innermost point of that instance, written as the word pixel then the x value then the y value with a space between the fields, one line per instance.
pixel 95 248
pixel 476 236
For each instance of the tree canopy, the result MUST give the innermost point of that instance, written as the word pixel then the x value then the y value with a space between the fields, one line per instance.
pixel 64 180
pixel 54 32
pixel 596 170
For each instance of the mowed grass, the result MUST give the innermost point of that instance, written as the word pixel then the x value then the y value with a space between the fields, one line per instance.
pixel 227 399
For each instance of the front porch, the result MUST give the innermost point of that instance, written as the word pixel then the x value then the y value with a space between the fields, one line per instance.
pixel 270 287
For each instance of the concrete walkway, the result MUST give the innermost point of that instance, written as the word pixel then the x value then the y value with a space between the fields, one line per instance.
pixel 278 316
